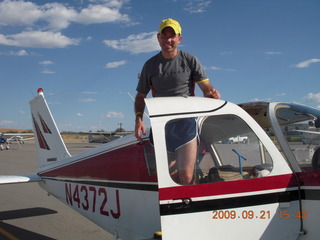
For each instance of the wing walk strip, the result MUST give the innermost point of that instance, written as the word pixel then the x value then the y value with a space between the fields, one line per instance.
pixel 237 202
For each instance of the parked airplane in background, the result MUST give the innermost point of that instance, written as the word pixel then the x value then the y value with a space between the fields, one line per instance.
pixel 310 136
pixel 16 134
pixel 15 138
pixel 3 143
pixel 268 188
pixel 3 140
pixel 105 137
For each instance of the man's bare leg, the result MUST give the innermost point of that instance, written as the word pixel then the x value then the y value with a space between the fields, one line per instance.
pixel 186 161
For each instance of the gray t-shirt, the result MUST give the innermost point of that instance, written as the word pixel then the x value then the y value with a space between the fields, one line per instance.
pixel 171 77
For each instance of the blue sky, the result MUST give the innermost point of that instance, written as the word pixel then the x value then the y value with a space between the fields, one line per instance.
pixel 86 55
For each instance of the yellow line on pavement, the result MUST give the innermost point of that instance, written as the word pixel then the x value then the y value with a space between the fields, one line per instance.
pixel 8 235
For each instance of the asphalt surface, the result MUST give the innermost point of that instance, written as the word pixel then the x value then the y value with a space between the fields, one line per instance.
pixel 27 212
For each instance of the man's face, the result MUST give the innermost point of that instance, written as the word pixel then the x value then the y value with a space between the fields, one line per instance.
pixel 168 40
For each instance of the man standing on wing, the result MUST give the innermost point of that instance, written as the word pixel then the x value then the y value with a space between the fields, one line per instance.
pixel 173 72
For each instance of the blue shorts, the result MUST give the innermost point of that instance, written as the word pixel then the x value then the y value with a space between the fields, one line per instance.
pixel 179 132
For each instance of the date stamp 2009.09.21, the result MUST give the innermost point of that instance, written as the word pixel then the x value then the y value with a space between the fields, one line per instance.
pixel 262 214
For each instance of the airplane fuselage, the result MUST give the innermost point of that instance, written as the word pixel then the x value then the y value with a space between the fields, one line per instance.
pixel 268 188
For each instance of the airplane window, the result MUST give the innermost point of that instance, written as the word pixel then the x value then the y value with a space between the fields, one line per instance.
pixel 225 150
pixel 299 126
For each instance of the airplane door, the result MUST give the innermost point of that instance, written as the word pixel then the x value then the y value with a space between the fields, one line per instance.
pixel 296 128
pixel 242 188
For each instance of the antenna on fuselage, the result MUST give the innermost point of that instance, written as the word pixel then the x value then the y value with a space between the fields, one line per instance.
pixel 134 100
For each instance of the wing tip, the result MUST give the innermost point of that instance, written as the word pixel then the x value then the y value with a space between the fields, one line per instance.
pixel 12 179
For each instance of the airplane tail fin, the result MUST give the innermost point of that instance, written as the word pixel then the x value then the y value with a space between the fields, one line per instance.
pixel 49 143
pixel 90 138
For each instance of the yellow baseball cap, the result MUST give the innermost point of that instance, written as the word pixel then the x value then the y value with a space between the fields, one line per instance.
pixel 170 23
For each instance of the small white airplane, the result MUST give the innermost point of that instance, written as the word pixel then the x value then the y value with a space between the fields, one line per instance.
pixel 105 137
pixel 264 189
pixel 312 135
pixel 16 134
pixel 15 138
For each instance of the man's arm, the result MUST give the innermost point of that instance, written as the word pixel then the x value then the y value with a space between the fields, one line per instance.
pixel 208 90
pixel 139 106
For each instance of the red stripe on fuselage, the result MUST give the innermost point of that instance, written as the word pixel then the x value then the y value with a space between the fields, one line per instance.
pixel 124 164
pixel 232 187
pixel 309 178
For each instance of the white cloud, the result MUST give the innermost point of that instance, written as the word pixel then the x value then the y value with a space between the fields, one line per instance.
pixel 215 68
pixel 225 53
pixel 197 6
pixel 281 94
pixel 115 64
pixel 46 62
pixel 313 97
pixel 37 39
pixel 307 63
pixel 140 43
pixel 261 99
pixel 87 100
pixel 58 16
pixel 43 23
pixel 87 92
pixel 100 14
pixel 272 53
pixel 114 115
pixel 19 13
pixel 80 115
pixel 22 52
pixel 19 53
pixel 47 71
pixel 6 122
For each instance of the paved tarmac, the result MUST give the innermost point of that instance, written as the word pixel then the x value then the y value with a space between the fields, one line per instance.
pixel 27 212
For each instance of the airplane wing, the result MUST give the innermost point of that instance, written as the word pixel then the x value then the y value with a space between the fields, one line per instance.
pixel 10 179
pixel 17 134
pixel 27 139
pixel 310 132
pixel 108 133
